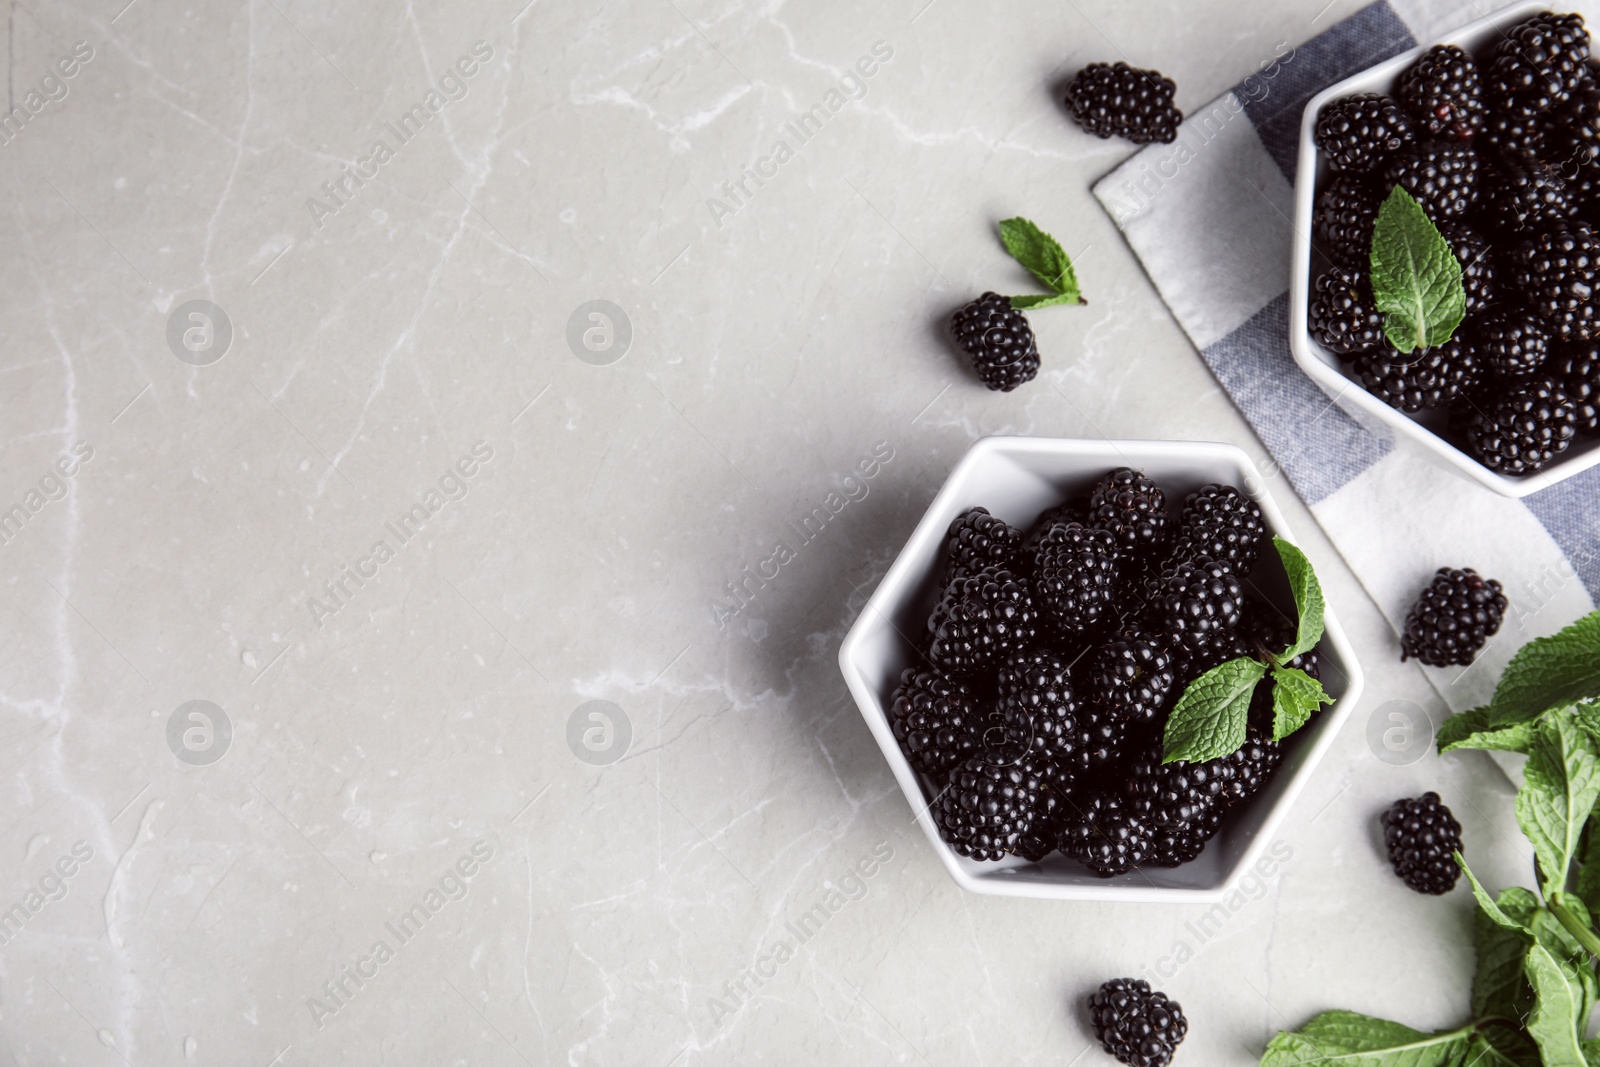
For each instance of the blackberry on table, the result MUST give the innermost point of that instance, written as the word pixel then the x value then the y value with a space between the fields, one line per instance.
pixel 932 716
pixel 1577 369
pixel 1536 64
pixel 1443 92
pixel 981 618
pixel 1130 507
pixel 1108 100
pixel 1132 677
pixel 1522 431
pixel 1421 835
pixel 1198 600
pixel 1075 578
pixel 1442 177
pixel 987 807
pixel 1512 342
pixel 1346 211
pixel 1104 835
pixel 1342 316
pixel 1436 380
pixel 1558 272
pixel 1141 1028
pixel 1522 196
pixel 1453 618
pixel 998 340
pixel 1359 132
pixel 1221 524
pixel 1478 276
pixel 977 540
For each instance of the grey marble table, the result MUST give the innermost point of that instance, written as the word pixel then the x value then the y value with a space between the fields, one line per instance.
pixel 339 510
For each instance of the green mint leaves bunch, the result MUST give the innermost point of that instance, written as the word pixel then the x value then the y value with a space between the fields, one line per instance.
pixel 1210 719
pixel 1416 278
pixel 1536 982
pixel 1046 260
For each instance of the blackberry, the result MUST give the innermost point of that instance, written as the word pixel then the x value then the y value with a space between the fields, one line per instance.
pixel 1513 136
pixel 1130 507
pixel 1105 836
pixel 1575 136
pixel 1198 600
pixel 1436 380
pixel 1170 795
pixel 1522 196
pixel 1442 177
pixel 1512 342
pixel 1209 652
pixel 1342 317
pixel 1524 430
pixel 1041 711
pixel 981 618
pixel 1558 272
pixel 1220 523
pixel 1075 576
pixel 1537 63
pixel 1115 99
pixel 1358 132
pixel 1472 251
pixel 933 717
pixel 1453 618
pixel 1346 212
pixel 1139 1027
pixel 1421 835
pixel 1443 92
pixel 1250 768
pixel 998 340
pixel 987 807
pixel 1132 677
pixel 1055 795
pixel 977 540
pixel 1577 369
pixel 1072 511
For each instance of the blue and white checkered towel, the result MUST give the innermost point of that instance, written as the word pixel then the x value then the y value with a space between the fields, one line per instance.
pixel 1210 217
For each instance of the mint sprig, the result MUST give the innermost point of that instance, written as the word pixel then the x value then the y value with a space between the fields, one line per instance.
pixel 1210 719
pixel 1045 259
pixel 1416 278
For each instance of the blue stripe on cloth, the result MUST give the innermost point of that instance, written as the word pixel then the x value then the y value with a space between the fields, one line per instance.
pixel 1567 511
pixel 1370 36
pixel 1316 444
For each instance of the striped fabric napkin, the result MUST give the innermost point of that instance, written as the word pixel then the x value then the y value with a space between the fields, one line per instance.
pixel 1210 218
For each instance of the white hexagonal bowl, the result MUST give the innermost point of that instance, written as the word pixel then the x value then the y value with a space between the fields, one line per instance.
pixel 1017 478
pixel 1323 366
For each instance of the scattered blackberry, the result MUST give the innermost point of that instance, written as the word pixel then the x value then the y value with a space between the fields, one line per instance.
pixel 1105 836
pixel 1558 272
pixel 1130 507
pixel 1512 136
pixel 1472 250
pixel 1075 577
pixel 1512 342
pixel 1221 524
pixel 1453 618
pixel 1071 511
pixel 932 716
pixel 981 618
pixel 1443 91
pixel 977 540
pixel 1521 432
pixel 1577 369
pixel 1341 316
pixel 1421 835
pixel 1537 63
pixel 1436 380
pixel 1522 196
pixel 1442 177
pixel 1137 1026
pixel 1132 677
pixel 1346 212
pixel 987 807
pixel 1197 601
pixel 1041 712
pixel 1250 768
pixel 1358 132
pixel 998 340
pixel 1116 99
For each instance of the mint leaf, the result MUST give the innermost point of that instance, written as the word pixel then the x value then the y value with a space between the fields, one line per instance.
pixel 1346 1039
pixel 1307 597
pixel 1550 672
pixel 1043 256
pixel 1209 721
pixel 1296 696
pixel 1499 1047
pixel 1471 730
pixel 1587 885
pixel 1515 917
pixel 1028 303
pixel 1416 278
pixel 1498 987
pixel 1591 1052
pixel 1556 1019
pixel 1560 785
